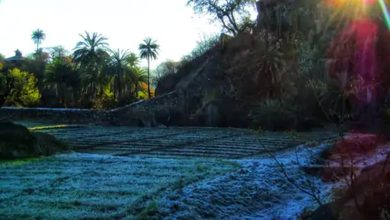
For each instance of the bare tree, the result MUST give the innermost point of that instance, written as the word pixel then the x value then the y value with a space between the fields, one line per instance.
pixel 232 14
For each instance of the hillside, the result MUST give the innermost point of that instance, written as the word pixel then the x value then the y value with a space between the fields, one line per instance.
pixel 275 67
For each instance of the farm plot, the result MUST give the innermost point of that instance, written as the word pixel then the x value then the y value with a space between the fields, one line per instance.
pixel 119 172
pixel 188 142
pixel 258 190
pixel 74 186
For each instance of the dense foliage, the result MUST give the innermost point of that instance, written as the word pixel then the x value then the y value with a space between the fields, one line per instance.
pixel 24 90
pixel 93 76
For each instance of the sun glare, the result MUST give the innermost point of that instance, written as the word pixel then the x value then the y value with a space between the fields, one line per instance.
pixel 357 9
pixel 340 3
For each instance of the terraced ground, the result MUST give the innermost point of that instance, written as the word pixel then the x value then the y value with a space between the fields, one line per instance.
pixel 228 143
pixel 117 172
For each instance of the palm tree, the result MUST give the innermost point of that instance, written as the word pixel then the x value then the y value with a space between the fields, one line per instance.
pixel 119 70
pixel 38 36
pixel 139 79
pixel 137 76
pixel 132 60
pixel 149 50
pixel 62 78
pixel 91 50
pixel 127 77
pixel 91 55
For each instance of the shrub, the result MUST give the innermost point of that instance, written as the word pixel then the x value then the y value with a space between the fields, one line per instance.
pixel 24 90
pixel 106 100
pixel 201 48
pixel 273 115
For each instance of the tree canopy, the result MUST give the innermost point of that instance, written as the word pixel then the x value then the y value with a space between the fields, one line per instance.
pixel 38 36
pixel 232 14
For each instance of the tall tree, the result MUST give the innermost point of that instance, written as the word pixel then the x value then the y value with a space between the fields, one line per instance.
pixel 126 76
pixel 232 14
pixel 119 71
pixel 38 36
pixel 58 52
pixel 91 56
pixel 91 50
pixel 137 76
pixel 62 80
pixel 149 50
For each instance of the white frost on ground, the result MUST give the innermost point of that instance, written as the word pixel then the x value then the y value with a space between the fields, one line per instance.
pixel 74 186
pixel 160 164
pixel 292 200
pixel 257 191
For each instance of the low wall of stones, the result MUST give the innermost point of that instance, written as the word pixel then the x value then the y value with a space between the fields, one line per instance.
pixel 56 114
pixel 161 110
pixel 153 112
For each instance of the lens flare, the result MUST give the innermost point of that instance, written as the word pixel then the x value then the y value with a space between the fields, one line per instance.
pixel 352 9
pixel 355 9
pixel 340 3
pixel 385 13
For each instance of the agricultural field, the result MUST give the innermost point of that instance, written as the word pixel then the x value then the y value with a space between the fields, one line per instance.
pixel 169 173
pixel 227 143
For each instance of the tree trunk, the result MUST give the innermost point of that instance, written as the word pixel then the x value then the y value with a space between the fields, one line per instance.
pixel 149 78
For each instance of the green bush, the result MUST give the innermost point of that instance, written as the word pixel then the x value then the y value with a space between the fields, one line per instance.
pixel 24 91
pixel 106 100
pixel 273 115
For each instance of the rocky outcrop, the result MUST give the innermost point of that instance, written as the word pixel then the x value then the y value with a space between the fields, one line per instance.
pixel 221 87
pixel 18 142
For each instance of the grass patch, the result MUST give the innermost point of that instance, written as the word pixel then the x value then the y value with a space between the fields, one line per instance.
pixel 18 162
pixel 50 127
pixel 149 212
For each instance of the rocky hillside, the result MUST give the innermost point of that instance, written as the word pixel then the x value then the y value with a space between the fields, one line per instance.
pixel 212 86
pixel 293 43
pixel 220 87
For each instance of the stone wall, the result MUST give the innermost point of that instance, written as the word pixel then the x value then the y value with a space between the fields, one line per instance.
pixel 157 111
pixel 57 114
pixel 161 110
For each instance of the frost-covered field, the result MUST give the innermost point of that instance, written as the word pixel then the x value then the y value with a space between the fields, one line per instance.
pixel 115 172
pixel 258 190
pixel 89 186
pixel 228 143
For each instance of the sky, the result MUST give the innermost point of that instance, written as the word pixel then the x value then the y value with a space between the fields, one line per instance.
pixel 124 22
